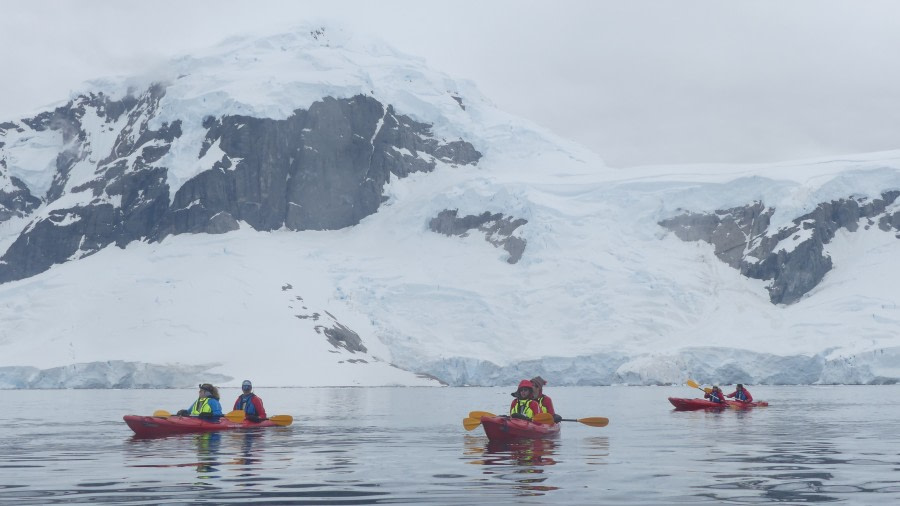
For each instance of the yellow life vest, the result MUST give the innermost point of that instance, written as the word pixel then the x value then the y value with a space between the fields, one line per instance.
pixel 522 407
pixel 201 406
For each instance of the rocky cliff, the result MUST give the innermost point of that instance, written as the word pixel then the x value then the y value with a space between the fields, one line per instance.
pixel 792 258
pixel 322 168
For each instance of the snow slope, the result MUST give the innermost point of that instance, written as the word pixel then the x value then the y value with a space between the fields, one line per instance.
pixel 602 294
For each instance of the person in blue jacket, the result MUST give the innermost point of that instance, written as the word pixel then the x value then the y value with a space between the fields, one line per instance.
pixel 207 404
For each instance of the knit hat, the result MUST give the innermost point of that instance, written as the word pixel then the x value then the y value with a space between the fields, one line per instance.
pixel 538 381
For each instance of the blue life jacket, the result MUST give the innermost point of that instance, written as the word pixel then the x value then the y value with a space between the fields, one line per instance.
pixel 246 403
pixel 740 395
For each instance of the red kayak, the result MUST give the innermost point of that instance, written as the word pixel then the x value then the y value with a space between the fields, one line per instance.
pixel 503 428
pixel 694 404
pixel 155 426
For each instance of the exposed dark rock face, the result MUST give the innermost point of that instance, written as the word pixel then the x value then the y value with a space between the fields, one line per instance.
pixel 16 200
pixel 337 334
pixel 793 257
pixel 342 337
pixel 320 169
pixel 497 229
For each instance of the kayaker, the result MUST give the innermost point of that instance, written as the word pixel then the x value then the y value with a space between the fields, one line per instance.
pixel 250 403
pixel 524 406
pixel 545 403
pixel 741 394
pixel 207 404
pixel 715 395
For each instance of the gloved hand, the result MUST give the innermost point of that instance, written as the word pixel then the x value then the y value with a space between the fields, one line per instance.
pixel 253 418
pixel 183 412
pixel 557 418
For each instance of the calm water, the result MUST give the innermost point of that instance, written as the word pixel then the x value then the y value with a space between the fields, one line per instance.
pixel 407 445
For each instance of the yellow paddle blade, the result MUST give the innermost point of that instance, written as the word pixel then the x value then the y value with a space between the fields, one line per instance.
pixel 235 416
pixel 595 421
pixel 545 418
pixel 162 413
pixel 471 423
pixel 282 420
pixel 693 384
pixel 479 414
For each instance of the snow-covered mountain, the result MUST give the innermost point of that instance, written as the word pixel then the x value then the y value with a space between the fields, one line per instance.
pixel 314 208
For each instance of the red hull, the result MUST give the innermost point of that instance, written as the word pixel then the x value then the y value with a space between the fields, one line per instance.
pixel 499 428
pixel 694 404
pixel 154 426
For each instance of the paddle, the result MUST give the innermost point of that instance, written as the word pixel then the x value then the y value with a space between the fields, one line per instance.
pixel 694 384
pixel 594 421
pixel 282 420
pixel 234 416
pixel 474 419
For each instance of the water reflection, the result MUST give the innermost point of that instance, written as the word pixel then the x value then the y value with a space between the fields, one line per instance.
pixel 794 465
pixel 208 445
pixel 521 462
pixel 206 452
pixel 250 447
pixel 399 446
pixel 597 450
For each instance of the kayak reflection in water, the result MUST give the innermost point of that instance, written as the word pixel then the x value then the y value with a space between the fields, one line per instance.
pixel 523 452
pixel 545 403
pixel 208 445
pixel 207 404
pixel 741 394
pixel 524 405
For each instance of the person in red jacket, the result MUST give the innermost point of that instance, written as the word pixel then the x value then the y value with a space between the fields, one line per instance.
pixel 545 403
pixel 715 395
pixel 524 406
pixel 741 394
pixel 250 403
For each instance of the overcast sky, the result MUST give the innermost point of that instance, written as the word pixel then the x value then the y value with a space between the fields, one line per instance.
pixel 637 81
